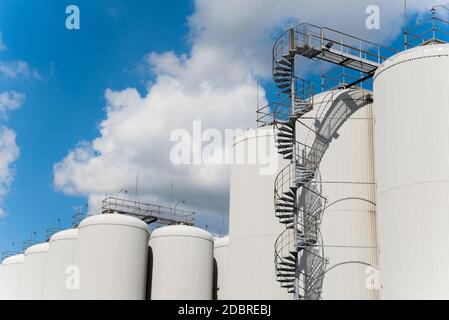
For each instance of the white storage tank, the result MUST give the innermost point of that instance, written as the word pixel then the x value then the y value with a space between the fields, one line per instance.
pixel 343 144
pixel 412 150
pixel 182 263
pixel 112 258
pixel 10 274
pixel 62 273
pixel 253 226
pixel 34 270
pixel 221 257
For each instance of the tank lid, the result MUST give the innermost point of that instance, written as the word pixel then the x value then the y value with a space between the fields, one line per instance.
pixel 412 54
pixel 64 235
pixel 221 242
pixel 16 259
pixel 182 231
pixel 37 248
pixel 114 219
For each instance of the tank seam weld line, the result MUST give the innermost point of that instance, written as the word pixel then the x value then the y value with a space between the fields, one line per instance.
pixel 409 60
pixel 349 182
pixel 349 247
pixel 411 184
pixel 351 210
pixel 112 224
pixel 177 235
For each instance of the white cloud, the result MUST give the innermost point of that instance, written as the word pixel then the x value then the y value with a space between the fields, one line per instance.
pixel 9 152
pixel 14 69
pixel 216 83
pixel 2 44
pixel 10 100
pixel 18 68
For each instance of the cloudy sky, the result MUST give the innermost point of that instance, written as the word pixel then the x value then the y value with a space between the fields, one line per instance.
pixel 84 112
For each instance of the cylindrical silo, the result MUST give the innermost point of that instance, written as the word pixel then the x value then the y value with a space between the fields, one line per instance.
pixel 111 255
pixel 339 134
pixel 253 226
pixel 412 172
pixel 34 270
pixel 11 272
pixel 182 263
pixel 221 256
pixel 61 278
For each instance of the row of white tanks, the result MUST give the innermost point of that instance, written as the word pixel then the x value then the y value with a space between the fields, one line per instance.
pixel 344 118
pixel 106 257
pixel 113 256
pixel 385 174
pixel 395 155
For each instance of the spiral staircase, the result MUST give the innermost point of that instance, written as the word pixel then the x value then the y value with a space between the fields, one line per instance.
pixel 299 204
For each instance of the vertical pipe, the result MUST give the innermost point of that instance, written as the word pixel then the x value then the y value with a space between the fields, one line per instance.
pixel 405 25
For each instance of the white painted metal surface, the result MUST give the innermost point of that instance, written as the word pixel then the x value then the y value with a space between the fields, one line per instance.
pixel 33 272
pixel 112 258
pixel 182 263
pixel 10 273
pixel 61 276
pixel 344 119
pixel 412 171
pixel 221 256
pixel 253 226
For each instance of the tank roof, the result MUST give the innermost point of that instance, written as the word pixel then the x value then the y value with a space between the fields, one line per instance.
pixel 113 219
pixel 65 234
pixel 413 54
pixel 37 248
pixel 16 259
pixel 221 242
pixel 182 230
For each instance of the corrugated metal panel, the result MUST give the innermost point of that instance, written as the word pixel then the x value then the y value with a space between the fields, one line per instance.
pixel 253 226
pixel 348 225
pixel 411 140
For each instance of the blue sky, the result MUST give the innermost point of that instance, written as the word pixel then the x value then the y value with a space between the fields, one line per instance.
pixel 142 63
pixel 66 105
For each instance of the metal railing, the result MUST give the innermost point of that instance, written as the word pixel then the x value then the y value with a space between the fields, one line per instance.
pixel 428 31
pixel 148 212
pixel 342 77
pixel 311 39
pixel 280 109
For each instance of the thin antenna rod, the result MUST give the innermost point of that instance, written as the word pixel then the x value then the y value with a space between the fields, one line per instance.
pixel 405 25
pixel 257 100
pixel 137 186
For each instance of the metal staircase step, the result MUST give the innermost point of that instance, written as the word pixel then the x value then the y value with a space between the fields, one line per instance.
pixel 285 140
pixel 284 85
pixel 282 74
pixel 282 79
pixel 287 199
pixel 283 215
pixel 290 194
pixel 285 269
pixel 285 210
pixel 285 280
pixel 285 62
pixel 280 68
pixel 289 264
pixel 285 135
pixel 285 151
pixel 285 205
